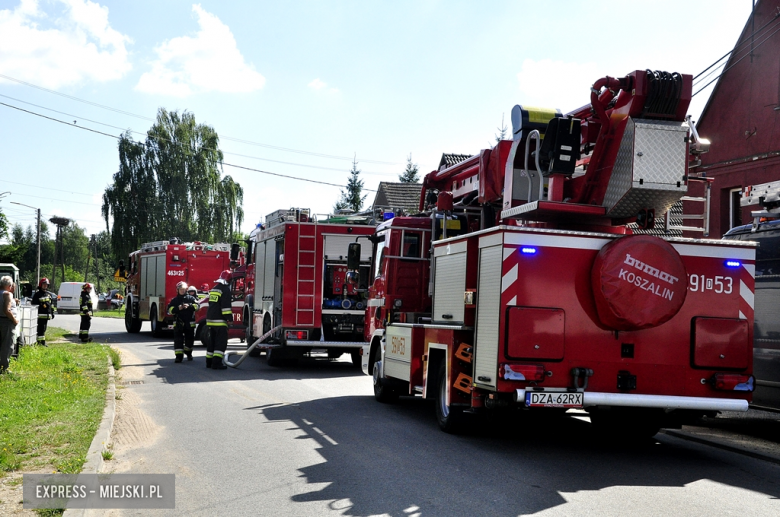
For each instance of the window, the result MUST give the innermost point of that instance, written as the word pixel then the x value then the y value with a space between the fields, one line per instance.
pixel 379 256
pixel 411 246
pixel 735 210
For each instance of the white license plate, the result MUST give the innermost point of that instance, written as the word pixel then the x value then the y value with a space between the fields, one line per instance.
pixel 553 399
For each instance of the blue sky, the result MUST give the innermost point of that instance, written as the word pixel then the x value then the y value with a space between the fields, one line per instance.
pixel 324 81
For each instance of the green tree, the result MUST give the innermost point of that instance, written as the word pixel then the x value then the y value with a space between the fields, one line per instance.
pixel 351 198
pixel 3 225
pixel 171 185
pixel 410 175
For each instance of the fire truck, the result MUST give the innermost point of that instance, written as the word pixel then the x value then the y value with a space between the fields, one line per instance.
pixel 298 284
pixel 765 230
pixel 521 286
pixel 154 270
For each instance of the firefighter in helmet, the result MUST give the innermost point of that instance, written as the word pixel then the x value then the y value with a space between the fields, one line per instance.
pixel 217 318
pixel 85 309
pixel 43 299
pixel 182 308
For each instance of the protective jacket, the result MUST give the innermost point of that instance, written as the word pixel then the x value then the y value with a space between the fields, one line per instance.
pixel 43 299
pixel 85 305
pixel 219 313
pixel 187 314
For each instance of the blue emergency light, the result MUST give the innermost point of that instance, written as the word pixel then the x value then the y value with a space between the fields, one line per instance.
pixel 387 216
pixel 733 263
pixel 528 250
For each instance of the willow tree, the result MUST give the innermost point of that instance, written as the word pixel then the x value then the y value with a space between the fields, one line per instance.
pixel 171 185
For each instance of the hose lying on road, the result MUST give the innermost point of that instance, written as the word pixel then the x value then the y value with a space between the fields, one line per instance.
pixel 246 354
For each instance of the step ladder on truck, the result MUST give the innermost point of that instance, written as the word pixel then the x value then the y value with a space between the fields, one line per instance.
pixel 520 285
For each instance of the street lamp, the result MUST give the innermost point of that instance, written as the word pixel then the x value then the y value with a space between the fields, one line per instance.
pixel 39 237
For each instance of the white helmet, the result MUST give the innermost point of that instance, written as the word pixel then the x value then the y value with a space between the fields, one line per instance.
pixel 181 285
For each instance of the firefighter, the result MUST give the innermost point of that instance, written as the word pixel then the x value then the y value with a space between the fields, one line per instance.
pixel 43 299
pixel 182 308
pixel 85 309
pixel 217 318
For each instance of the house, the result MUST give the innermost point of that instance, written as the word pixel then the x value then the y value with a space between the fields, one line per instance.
pixel 742 120
pixel 395 196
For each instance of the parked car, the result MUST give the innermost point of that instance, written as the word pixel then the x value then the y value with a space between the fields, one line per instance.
pixel 69 297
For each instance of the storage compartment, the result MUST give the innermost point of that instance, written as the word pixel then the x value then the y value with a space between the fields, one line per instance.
pixel 720 343
pixel 535 333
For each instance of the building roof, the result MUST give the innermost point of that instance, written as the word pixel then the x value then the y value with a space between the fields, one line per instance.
pixel 398 195
pixel 448 160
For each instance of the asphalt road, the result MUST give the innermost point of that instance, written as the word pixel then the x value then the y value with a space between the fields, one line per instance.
pixel 310 440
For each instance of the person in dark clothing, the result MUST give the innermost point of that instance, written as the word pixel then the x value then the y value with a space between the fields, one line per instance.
pixel 182 308
pixel 43 299
pixel 85 309
pixel 217 318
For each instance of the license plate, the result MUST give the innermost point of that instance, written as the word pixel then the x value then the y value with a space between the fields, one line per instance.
pixel 553 399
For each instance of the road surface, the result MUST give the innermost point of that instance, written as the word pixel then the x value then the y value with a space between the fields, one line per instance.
pixel 310 441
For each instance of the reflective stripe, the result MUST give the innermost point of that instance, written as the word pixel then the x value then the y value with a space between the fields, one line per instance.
pixel 227 311
pixel 178 352
pixel 218 355
pixel 209 356
pixel 216 323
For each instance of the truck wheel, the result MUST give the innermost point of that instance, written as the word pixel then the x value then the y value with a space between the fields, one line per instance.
pixel 205 335
pixel 450 418
pixel 382 393
pixel 156 327
pixel 132 325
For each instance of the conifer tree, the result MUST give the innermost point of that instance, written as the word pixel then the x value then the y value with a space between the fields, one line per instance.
pixel 410 175
pixel 351 198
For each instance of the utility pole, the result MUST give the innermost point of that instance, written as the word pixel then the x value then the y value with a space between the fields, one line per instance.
pixel 59 222
pixel 97 267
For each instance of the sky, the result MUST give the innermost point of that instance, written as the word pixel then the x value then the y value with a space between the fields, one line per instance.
pixel 302 88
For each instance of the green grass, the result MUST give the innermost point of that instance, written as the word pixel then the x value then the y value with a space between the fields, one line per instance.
pixel 51 403
pixel 56 334
pixel 111 313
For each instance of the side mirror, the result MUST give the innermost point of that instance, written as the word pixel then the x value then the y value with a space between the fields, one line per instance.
pixel 353 256
pixel 122 270
pixel 27 290
pixel 234 249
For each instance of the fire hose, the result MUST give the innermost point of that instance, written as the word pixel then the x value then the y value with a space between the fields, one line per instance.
pixel 248 350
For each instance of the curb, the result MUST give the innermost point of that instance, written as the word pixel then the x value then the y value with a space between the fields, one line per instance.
pixel 722 445
pixel 94 463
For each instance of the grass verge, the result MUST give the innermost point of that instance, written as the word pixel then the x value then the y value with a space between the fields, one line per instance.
pixel 52 403
pixel 111 313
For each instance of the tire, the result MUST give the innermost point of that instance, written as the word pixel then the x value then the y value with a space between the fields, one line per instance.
pixel 132 325
pixel 450 418
pixel 205 334
pixel 382 393
pixel 155 323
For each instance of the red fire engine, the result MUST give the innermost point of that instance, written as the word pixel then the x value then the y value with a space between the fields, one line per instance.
pixel 522 286
pixel 155 269
pixel 298 283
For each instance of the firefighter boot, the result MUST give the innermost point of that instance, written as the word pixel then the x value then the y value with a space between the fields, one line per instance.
pixel 179 358
pixel 189 354
pixel 208 362
pixel 218 364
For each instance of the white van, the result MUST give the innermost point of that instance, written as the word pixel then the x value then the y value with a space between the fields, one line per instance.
pixel 69 297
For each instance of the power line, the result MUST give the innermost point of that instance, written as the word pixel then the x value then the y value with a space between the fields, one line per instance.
pixel 47 188
pixel 737 48
pixel 249 142
pixel 737 61
pixel 141 143
pixel 223 152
